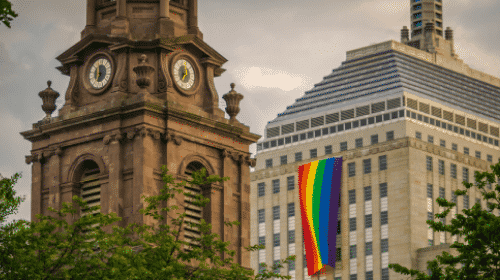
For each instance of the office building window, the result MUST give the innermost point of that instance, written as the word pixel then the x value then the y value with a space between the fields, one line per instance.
pixel 343 146
pixel 429 190
pixel 262 240
pixel 429 163
pixel 430 216
pixel 261 215
pixel 276 212
pixel 277 269
pixel 430 139
pixel 383 190
pixel 384 219
pixel 298 156
pixel 291 209
pixel 382 162
pixel 262 189
pixel 290 182
pixel 291 236
pixel 384 245
pixel 368 221
pixel 368 193
pixel 441 192
pixel 478 154
pixel 453 171
pixel 465 175
pixel 328 150
pixel 369 275
pixel 352 169
pixel 466 150
pixel 368 248
pixel 291 265
pixel 353 276
pixel 283 160
pixel 489 158
pixel 385 273
pixel 441 167
pixel 313 153
pixel 276 186
pixel 276 239
pixel 478 201
pixel 352 224
pixel 352 196
pixel 374 139
pixel 442 143
pixel 418 135
pixel 353 253
pixel 359 142
pixel 454 147
pixel 367 166
pixel 466 202
pixel 269 163
pixel 389 135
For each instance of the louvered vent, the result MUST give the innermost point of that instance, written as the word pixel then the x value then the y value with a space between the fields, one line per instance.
pixel 347 114
pixel 194 213
pixel 471 123
pixel 483 127
pixel 448 115
pixel 287 128
pixel 362 111
pixel 302 125
pixel 460 119
pixel 393 103
pixel 494 131
pixel 332 118
pixel 436 112
pixel 412 103
pixel 273 132
pixel 378 107
pixel 90 190
pixel 424 108
pixel 318 121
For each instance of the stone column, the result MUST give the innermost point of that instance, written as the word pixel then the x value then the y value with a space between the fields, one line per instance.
pixel 36 185
pixel 227 198
pixel 193 19
pixel 53 180
pixel 115 184
pixel 164 8
pixel 165 24
pixel 138 175
pixel 91 18
pixel 121 6
pixel 245 210
pixel 120 25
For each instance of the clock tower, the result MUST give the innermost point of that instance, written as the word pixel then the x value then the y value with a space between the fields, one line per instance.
pixel 141 95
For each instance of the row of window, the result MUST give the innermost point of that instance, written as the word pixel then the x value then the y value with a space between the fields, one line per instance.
pixel 452 127
pixel 330 130
pixel 367 166
pixel 369 275
pixel 368 193
pixel 276 212
pixel 454 146
pixel 313 153
pixel 384 247
pixel 276 238
pixel 261 187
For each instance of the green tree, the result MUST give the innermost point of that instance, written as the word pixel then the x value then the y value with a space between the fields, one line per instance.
pixel 40 250
pixel 6 13
pixel 480 228
pixel 8 203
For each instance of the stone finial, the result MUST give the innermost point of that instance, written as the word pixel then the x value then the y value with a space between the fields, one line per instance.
pixel 49 97
pixel 448 33
pixel 405 34
pixel 143 71
pixel 232 99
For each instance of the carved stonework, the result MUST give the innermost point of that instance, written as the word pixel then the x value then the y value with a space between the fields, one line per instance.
pixel 163 77
pixel 120 79
pixel 59 152
pixel 72 91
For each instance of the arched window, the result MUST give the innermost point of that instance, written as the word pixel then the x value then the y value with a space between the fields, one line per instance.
pixel 194 213
pixel 90 187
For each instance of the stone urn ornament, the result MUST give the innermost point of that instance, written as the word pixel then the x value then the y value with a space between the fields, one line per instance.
pixel 232 99
pixel 143 72
pixel 49 97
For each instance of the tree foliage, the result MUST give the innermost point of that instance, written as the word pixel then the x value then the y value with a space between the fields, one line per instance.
pixel 54 249
pixel 479 227
pixel 6 13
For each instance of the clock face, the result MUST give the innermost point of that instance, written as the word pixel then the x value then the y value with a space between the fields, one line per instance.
pixel 184 74
pixel 100 73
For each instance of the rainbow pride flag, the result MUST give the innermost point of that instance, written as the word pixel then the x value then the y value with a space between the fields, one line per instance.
pixel 319 189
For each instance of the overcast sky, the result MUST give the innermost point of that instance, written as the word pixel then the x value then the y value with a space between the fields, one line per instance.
pixel 276 50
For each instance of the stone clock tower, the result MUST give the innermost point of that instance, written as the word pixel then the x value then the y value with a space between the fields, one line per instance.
pixel 141 95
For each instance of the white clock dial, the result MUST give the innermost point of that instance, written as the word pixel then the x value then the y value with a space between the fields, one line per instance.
pixel 100 73
pixel 184 74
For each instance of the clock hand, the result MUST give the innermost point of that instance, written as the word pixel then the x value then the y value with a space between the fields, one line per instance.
pixel 185 72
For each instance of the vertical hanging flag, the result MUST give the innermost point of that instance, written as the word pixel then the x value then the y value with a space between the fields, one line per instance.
pixel 319 189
